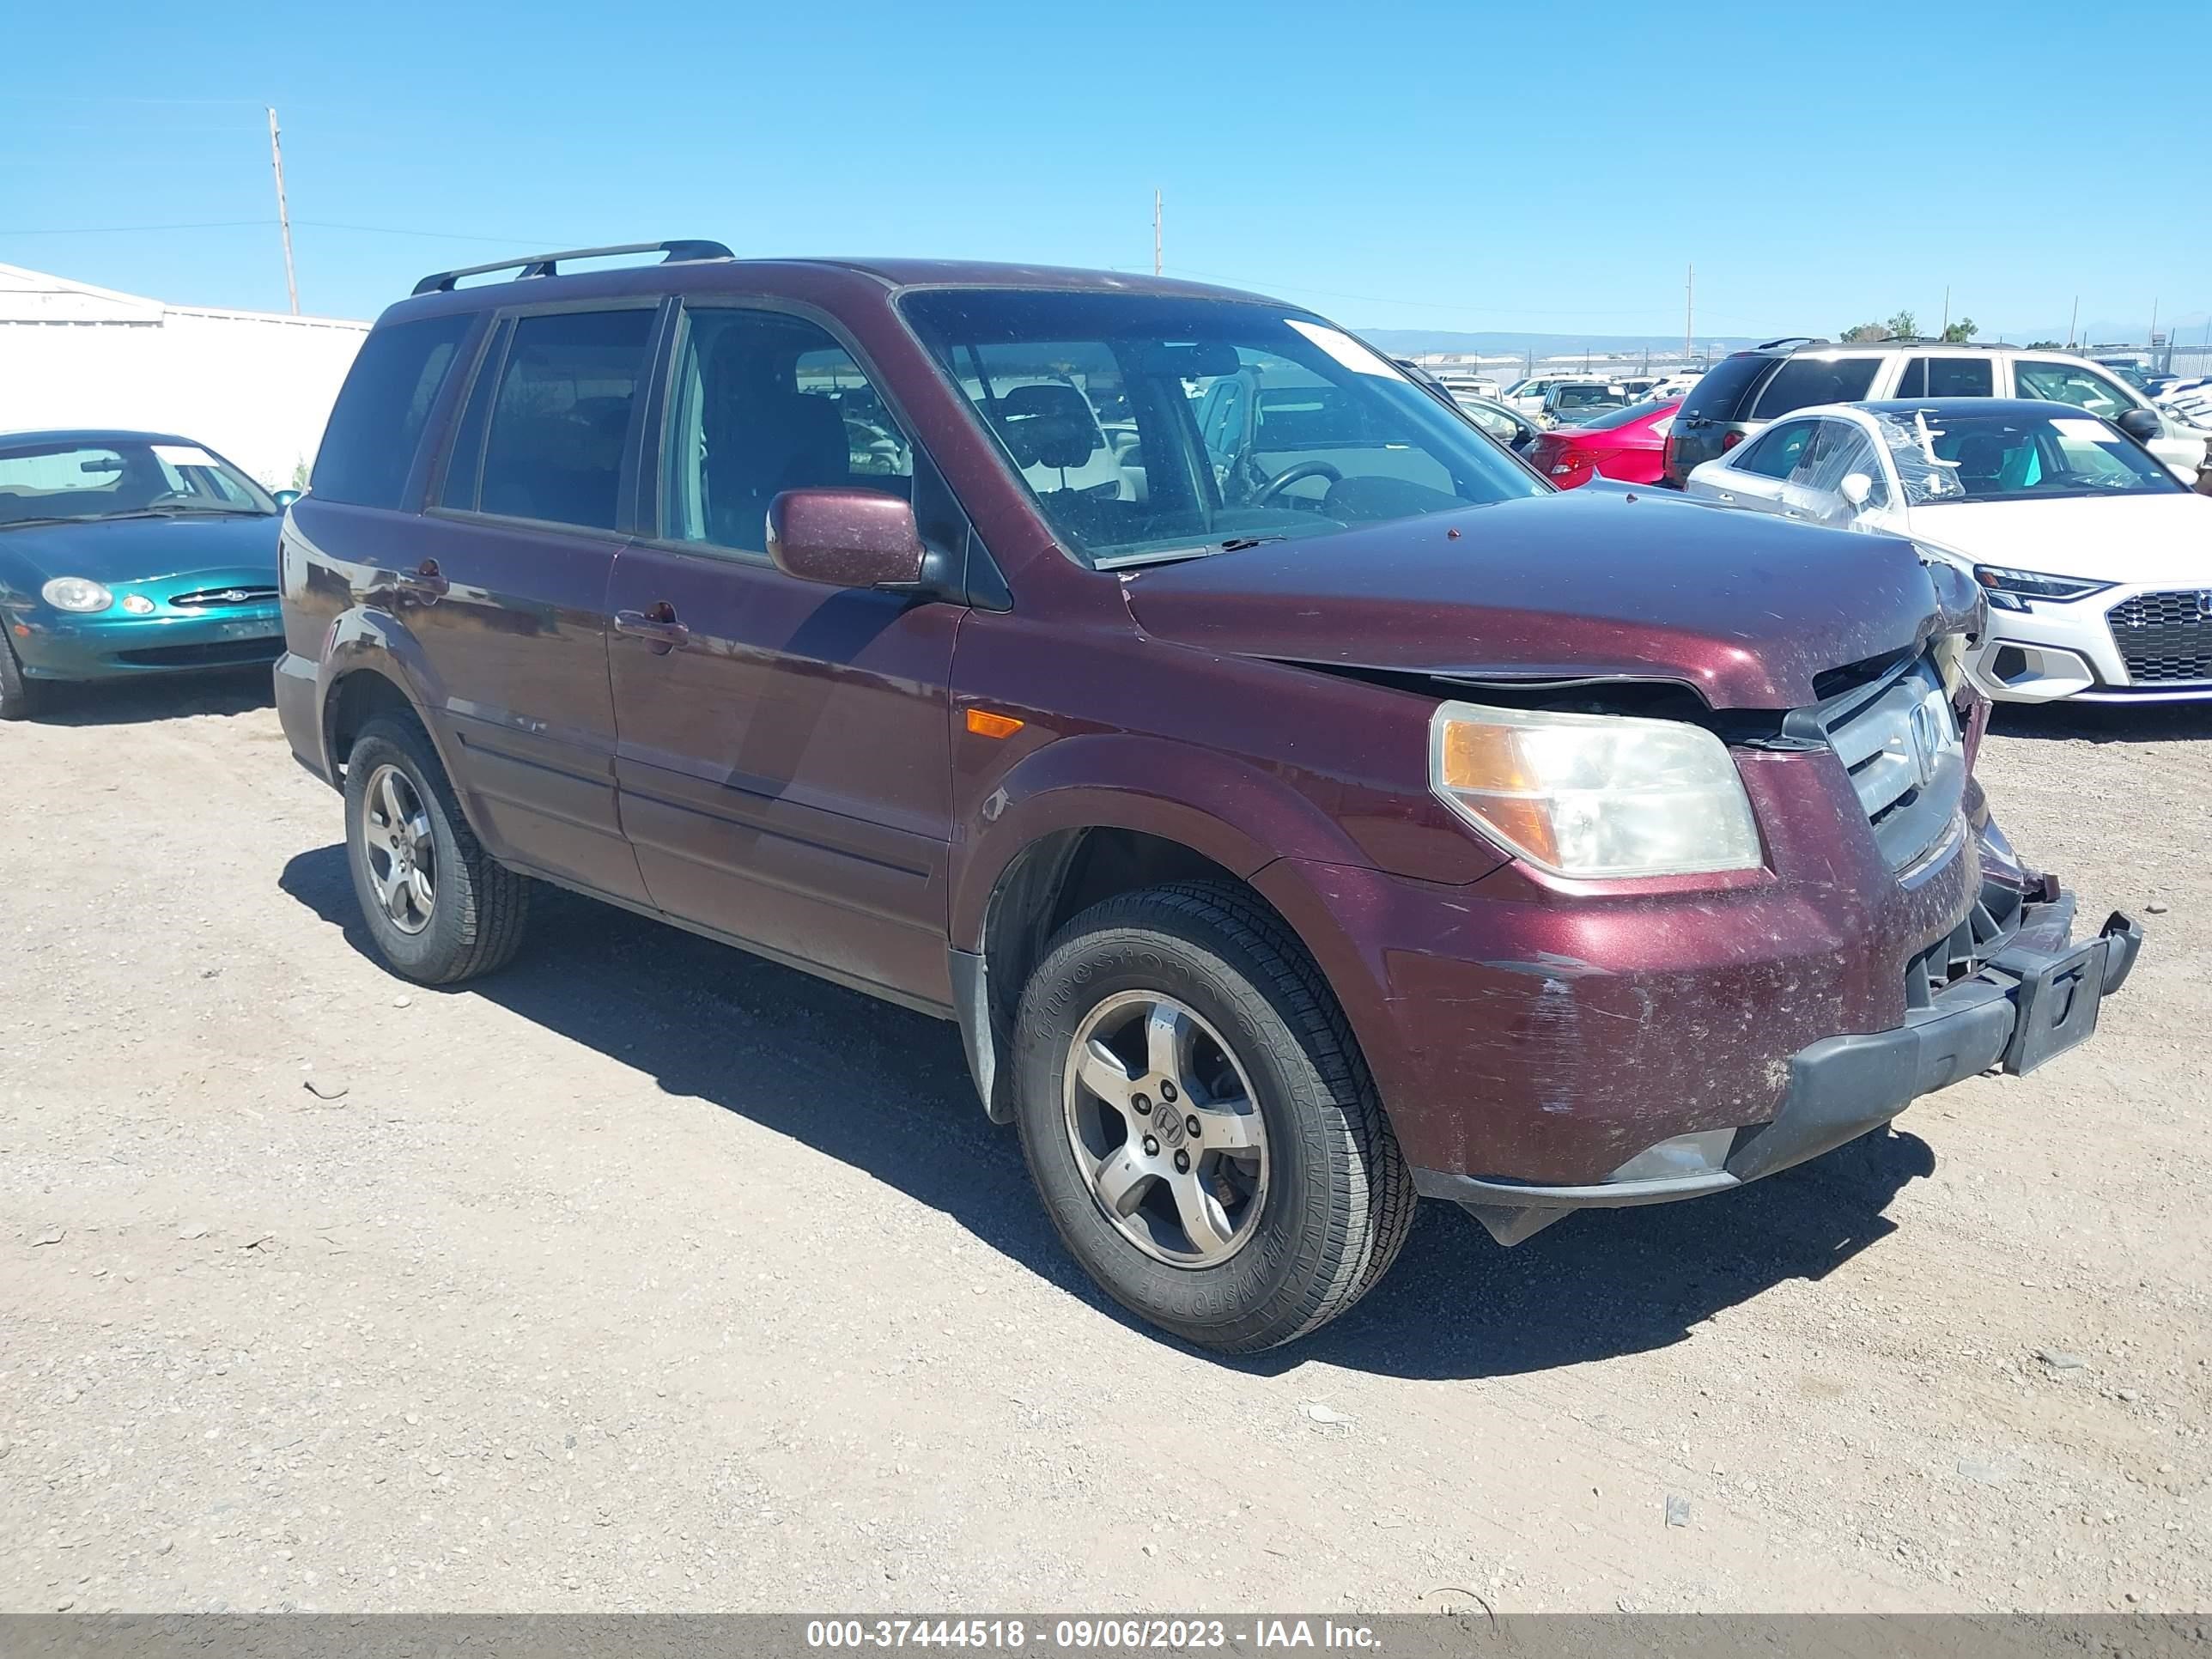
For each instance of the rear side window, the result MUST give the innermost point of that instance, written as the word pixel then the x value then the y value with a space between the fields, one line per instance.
pixel 379 417
pixel 1776 453
pixel 1719 394
pixel 560 418
pixel 1948 377
pixel 1803 381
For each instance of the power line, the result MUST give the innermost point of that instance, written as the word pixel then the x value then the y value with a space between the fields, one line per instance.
pixel 116 230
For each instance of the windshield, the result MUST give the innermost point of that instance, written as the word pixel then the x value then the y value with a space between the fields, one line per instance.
pixel 1147 426
pixel 1980 458
pixel 120 478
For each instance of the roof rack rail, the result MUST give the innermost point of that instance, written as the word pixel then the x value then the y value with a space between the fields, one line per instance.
pixel 548 264
pixel 1791 340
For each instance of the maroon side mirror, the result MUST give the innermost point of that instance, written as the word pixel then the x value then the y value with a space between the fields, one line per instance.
pixel 845 538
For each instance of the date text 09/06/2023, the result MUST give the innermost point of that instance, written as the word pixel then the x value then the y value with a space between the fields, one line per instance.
pixel 1086 1635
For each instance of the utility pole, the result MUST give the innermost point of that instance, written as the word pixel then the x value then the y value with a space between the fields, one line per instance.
pixel 284 213
pixel 2153 342
pixel 1690 312
pixel 1946 334
pixel 2072 323
pixel 1156 233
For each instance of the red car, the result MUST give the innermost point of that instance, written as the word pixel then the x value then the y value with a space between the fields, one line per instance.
pixel 1628 444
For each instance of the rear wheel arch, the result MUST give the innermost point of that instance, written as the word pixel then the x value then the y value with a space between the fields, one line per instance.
pixel 354 698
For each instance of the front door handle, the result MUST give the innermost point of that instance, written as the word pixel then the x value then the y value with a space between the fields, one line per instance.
pixel 425 582
pixel 658 627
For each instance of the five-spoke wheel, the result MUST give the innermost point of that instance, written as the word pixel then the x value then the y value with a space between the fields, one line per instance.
pixel 403 854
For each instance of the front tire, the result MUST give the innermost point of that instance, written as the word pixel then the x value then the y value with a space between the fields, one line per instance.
pixel 1189 1006
pixel 439 908
pixel 18 697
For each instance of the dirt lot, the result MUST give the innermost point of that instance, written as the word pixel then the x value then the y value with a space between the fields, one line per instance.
pixel 649 1276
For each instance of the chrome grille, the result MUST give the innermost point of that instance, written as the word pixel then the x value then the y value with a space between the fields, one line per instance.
pixel 2164 638
pixel 1899 739
pixel 215 599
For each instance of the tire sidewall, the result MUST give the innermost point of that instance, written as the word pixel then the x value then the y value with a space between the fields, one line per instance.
pixel 1254 1288
pixel 19 695
pixel 424 956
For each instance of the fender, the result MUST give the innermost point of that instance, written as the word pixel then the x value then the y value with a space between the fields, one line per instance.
pixel 361 640
pixel 1233 812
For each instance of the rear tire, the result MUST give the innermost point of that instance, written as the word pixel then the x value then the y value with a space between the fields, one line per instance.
pixel 18 698
pixel 439 908
pixel 1247 1248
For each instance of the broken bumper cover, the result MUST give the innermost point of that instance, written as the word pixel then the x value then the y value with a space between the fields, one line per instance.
pixel 2037 997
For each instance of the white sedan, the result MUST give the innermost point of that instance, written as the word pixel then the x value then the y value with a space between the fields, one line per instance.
pixel 2097 563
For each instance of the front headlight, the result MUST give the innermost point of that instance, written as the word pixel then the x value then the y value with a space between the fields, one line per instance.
pixel 1594 794
pixel 78 593
pixel 2011 590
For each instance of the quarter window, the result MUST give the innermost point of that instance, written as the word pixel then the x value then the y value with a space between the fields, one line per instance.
pixel 1803 381
pixel 561 417
pixel 369 444
pixel 763 402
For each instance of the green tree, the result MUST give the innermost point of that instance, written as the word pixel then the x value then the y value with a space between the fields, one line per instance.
pixel 1959 332
pixel 1864 333
pixel 1904 326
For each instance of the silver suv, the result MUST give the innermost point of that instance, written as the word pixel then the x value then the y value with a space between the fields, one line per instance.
pixel 1741 393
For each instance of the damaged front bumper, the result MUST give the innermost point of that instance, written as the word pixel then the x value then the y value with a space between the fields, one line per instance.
pixel 2013 1000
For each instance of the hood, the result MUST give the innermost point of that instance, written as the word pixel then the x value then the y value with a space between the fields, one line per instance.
pixel 116 550
pixel 1592 584
pixel 2159 539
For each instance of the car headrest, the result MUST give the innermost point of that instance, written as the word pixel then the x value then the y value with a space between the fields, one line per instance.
pixel 1047 424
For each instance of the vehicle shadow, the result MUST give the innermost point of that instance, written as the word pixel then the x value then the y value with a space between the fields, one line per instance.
pixel 155 697
pixel 887 1090
pixel 2093 722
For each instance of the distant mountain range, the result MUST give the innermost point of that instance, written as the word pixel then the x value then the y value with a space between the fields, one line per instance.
pixel 1415 342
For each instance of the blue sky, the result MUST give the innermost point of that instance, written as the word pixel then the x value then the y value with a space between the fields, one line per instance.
pixel 1434 165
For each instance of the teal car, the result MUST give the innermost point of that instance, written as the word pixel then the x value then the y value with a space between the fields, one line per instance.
pixel 129 553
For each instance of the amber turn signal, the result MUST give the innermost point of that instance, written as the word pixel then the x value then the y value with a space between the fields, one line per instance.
pixel 984 724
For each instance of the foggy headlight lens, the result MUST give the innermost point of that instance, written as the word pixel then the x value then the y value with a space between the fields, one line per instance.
pixel 1594 794
pixel 75 593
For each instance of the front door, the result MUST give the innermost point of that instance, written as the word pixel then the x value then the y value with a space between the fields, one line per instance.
pixel 785 750
pixel 508 600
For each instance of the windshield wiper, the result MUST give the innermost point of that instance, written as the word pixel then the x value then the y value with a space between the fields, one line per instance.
pixel 1175 555
pixel 180 509
pixel 20 524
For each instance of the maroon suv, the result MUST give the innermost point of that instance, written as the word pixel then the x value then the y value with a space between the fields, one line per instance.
pixel 1298 803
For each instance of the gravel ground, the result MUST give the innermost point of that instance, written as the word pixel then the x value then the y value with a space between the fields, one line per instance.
pixel 647 1275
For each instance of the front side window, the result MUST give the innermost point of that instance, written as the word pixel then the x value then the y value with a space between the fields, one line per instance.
pixel 1804 381
pixel 761 402
pixel 369 444
pixel 1127 417
pixel 1838 449
pixel 122 478
pixel 2070 383
pixel 561 414
pixel 1776 453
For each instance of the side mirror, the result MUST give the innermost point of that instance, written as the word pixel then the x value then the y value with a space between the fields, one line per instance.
pixel 285 498
pixel 2140 424
pixel 845 538
pixel 1857 487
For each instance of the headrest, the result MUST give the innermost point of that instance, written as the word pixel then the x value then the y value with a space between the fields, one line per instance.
pixel 1048 424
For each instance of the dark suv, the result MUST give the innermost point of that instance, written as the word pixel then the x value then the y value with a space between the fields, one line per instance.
pixel 1290 831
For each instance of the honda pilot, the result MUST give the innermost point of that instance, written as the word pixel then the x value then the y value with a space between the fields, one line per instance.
pixel 1298 805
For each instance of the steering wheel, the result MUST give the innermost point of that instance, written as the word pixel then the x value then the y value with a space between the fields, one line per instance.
pixel 1290 475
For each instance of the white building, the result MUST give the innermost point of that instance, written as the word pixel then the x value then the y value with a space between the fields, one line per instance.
pixel 255 386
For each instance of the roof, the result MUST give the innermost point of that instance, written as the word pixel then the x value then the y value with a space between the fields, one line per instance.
pixel 2016 408
pixel 91 434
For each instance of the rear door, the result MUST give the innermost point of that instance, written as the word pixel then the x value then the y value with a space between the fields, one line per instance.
pixel 785 759
pixel 505 590
pixel 1758 472
pixel 1948 377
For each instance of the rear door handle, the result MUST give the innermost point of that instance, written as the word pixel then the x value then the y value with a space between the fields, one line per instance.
pixel 658 627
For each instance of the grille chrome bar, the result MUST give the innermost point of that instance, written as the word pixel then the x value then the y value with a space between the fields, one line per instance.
pixel 1900 741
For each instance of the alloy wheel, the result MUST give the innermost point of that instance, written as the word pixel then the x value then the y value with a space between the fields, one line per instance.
pixel 1166 1130
pixel 402 852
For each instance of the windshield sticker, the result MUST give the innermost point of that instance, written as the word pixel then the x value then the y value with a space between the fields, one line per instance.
pixel 184 455
pixel 1345 350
